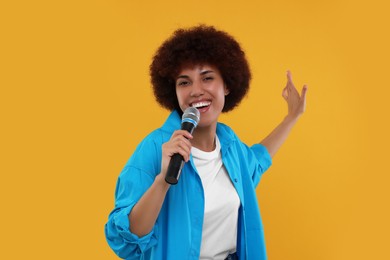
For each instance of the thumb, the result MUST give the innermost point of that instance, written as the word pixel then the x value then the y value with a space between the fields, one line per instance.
pixel 303 92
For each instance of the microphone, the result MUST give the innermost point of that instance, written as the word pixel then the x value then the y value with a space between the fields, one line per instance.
pixel 189 121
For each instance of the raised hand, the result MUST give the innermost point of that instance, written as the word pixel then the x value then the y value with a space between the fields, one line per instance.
pixel 296 103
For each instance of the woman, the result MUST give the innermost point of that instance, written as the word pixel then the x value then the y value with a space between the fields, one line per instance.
pixel 212 213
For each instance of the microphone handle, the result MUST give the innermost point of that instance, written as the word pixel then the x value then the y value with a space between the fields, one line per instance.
pixel 177 162
pixel 174 169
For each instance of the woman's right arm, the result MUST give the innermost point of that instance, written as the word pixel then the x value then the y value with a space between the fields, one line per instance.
pixel 144 214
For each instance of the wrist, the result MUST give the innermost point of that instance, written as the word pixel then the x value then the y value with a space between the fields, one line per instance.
pixel 291 119
pixel 160 181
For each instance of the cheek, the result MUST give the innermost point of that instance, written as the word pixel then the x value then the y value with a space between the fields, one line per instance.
pixel 222 98
pixel 180 97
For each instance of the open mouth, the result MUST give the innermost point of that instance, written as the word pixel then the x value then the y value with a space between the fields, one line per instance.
pixel 201 104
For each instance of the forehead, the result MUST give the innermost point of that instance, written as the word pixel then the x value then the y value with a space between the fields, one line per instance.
pixel 197 68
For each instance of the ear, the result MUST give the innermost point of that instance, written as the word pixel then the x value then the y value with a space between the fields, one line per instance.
pixel 227 91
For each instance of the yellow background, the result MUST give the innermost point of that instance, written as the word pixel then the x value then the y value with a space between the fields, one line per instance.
pixel 76 100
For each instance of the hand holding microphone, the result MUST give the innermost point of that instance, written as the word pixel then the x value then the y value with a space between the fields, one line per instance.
pixel 180 144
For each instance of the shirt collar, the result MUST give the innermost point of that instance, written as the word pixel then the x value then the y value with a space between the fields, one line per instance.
pixel 173 122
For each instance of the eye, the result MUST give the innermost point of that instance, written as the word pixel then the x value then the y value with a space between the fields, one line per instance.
pixel 182 83
pixel 208 78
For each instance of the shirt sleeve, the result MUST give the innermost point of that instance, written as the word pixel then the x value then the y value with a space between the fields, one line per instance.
pixel 263 159
pixel 137 176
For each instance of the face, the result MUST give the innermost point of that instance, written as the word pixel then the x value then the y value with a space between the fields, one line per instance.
pixel 202 86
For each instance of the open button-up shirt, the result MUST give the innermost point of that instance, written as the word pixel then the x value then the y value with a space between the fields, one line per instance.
pixel 177 233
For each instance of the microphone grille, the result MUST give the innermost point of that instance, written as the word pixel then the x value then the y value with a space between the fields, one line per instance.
pixel 192 115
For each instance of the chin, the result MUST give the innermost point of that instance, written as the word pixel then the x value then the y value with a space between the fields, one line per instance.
pixel 207 122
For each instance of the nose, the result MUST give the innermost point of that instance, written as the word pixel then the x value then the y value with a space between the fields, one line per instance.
pixel 197 89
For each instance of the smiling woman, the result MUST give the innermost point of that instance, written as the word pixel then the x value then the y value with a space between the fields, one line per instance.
pixel 212 213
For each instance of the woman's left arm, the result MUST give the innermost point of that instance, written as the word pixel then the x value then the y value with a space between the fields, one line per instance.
pixel 296 106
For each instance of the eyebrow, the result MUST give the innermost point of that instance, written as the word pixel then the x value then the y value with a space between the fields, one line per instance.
pixel 201 73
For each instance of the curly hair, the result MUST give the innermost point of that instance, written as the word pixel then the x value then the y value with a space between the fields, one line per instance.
pixel 199 45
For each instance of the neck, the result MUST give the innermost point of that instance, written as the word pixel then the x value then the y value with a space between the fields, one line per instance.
pixel 204 138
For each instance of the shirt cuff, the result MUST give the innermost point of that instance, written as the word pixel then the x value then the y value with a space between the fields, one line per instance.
pixel 262 155
pixel 123 227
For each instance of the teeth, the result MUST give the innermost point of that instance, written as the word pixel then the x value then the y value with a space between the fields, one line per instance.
pixel 201 104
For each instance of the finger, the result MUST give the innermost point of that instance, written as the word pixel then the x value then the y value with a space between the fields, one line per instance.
pixel 289 77
pixel 178 146
pixel 184 133
pixel 181 141
pixel 178 139
pixel 184 144
pixel 303 92
pixel 290 83
pixel 303 98
pixel 185 154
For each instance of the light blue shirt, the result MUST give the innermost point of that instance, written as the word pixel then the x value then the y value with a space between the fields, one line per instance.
pixel 177 233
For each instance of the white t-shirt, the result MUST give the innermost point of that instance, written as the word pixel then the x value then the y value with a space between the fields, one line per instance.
pixel 219 234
